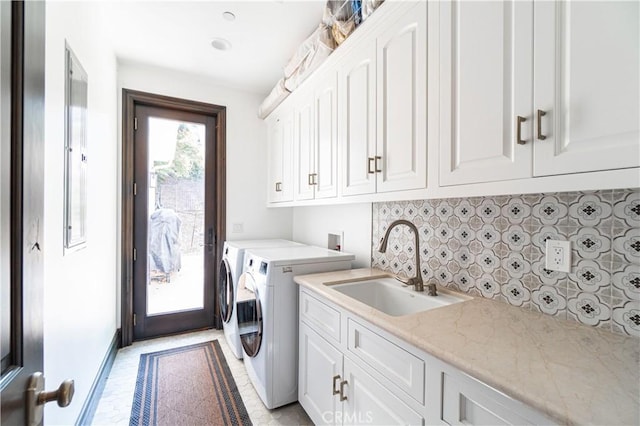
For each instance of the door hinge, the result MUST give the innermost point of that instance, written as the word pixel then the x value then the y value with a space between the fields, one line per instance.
pixel 135 254
pixel 135 123
pixel 134 320
pixel 135 188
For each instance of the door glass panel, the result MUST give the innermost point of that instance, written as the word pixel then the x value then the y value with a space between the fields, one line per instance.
pixel 225 291
pixel 175 234
pixel 5 201
pixel 249 314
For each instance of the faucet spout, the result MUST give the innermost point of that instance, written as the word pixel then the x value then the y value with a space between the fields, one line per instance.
pixel 416 281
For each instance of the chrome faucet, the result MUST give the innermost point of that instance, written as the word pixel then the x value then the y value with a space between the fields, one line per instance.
pixel 416 281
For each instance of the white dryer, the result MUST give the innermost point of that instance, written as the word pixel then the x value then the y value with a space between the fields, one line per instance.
pixel 267 310
pixel 229 274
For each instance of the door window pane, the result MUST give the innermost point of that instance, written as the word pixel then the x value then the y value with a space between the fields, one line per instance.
pixel 176 233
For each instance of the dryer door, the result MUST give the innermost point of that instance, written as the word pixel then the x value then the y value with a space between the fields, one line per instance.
pixel 225 291
pixel 249 313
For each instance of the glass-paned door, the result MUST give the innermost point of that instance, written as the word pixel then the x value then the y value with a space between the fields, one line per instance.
pixel 173 221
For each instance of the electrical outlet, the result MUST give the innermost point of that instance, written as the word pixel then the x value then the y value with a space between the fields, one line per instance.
pixel 558 256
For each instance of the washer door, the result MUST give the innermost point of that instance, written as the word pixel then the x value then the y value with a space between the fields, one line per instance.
pixel 225 291
pixel 249 313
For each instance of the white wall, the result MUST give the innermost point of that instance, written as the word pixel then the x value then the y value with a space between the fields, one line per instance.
pixel 79 287
pixel 312 224
pixel 246 146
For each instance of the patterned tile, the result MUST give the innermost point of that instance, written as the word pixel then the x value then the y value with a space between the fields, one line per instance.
pixel 626 281
pixel 464 211
pixel 590 276
pixel 626 247
pixel 516 265
pixel 626 317
pixel 593 209
pixel 626 209
pixel 494 247
pixel 463 280
pixel 550 300
pixel 516 238
pixel 516 210
pixel 550 210
pixel 488 210
pixel 488 287
pixel 589 308
pixel 590 243
pixel 547 276
pixel 488 260
pixel 516 293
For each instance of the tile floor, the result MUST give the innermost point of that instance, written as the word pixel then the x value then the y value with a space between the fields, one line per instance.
pixel 115 404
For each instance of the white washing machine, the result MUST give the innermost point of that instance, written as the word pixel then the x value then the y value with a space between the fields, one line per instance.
pixel 267 310
pixel 229 274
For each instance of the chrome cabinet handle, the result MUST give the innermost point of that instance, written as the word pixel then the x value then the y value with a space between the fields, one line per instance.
pixel 541 114
pixel 519 122
pixel 310 179
pixel 315 179
pixel 335 385
pixel 378 170
pixel 278 186
pixel 342 395
pixel 370 161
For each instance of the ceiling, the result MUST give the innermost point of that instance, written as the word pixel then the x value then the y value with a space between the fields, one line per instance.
pixel 178 35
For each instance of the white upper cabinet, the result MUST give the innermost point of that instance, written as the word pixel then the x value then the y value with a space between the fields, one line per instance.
pixel 587 74
pixel 280 154
pixel 383 99
pixel 401 57
pixel 316 142
pixel 485 85
pixel 518 101
pixel 357 124
pixel 326 137
pixel 304 149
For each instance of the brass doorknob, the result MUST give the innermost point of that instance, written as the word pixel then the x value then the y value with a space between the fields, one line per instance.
pixel 37 397
pixel 63 395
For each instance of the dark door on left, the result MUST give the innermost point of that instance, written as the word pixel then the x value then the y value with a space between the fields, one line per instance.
pixel 174 221
pixel 22 56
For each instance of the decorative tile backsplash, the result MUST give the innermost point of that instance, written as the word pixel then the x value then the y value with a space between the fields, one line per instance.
pixel 494 247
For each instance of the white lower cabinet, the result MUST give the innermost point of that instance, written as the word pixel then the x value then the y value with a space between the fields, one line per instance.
pixel 335 390
pixel 353 373
pixel 319 362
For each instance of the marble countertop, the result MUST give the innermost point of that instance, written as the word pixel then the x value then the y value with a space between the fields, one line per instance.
pixel 573 373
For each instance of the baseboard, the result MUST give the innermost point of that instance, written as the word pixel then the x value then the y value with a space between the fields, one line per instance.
pixel 91 403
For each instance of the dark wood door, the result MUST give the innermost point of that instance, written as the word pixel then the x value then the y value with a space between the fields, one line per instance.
pixel 22 139
pixel 174 221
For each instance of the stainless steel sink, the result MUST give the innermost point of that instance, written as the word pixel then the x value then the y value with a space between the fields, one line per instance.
pixel 389 296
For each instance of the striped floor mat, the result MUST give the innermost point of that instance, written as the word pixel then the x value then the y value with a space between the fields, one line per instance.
pixel 190 385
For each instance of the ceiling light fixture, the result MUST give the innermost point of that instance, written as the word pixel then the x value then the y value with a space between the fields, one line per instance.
pixel 229 16
pixel 221 44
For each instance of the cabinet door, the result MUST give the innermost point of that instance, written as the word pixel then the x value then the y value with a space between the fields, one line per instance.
pixel 368 402
pixel 304 149
pixel 357 123
pixel 288 128
pixel 485 85
pixel 326 138
pixel 274 166
pixel 319 363
pixel 401 55
pixel 587 74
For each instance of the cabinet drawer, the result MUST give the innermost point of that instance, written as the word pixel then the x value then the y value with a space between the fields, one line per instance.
pixel 320 316
pixel 466 401
pixel 402 368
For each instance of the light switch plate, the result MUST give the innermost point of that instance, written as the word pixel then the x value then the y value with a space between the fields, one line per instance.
pixel 558 256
